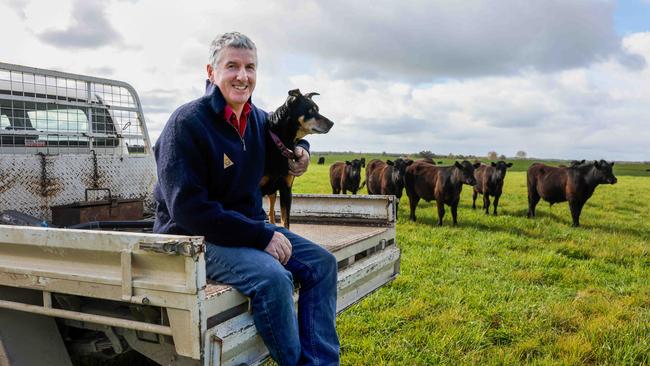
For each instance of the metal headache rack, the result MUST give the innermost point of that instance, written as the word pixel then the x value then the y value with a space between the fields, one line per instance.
pixel 63 133
pixel 50 112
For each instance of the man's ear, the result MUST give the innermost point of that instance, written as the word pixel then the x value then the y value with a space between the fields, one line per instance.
pixel 210 70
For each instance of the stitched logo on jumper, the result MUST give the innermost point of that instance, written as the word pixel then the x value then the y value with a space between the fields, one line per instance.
pixel 226 161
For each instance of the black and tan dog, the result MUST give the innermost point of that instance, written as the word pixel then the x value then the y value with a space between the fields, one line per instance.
pixel 295 119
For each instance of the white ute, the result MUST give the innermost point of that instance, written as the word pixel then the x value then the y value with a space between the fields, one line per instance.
pixel 75 154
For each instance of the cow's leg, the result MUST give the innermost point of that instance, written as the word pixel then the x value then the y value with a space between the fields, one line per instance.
pixel 454 211
pixel 496 203
pixel 272 198
pixel 474 195
pixel 533 199
pixel 441 210
pixel 486 203
pixel 413 203
pixel 576 209
pixel 345 191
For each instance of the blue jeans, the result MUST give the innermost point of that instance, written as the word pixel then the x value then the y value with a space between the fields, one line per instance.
pixel 308 339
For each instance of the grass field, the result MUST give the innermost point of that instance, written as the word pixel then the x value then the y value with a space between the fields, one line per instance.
pixel 509 290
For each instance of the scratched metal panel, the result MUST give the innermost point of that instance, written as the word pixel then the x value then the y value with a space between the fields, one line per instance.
pixel 32 183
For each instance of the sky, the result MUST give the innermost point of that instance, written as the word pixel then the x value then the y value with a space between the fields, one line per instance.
pixel 563 79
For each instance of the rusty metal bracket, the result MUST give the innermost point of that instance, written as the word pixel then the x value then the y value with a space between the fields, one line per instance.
pixel 173 247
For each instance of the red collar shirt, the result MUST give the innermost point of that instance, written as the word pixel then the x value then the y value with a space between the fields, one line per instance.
pixel 231 117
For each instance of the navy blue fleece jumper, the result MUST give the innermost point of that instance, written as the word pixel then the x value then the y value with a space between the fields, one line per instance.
pixel 208 176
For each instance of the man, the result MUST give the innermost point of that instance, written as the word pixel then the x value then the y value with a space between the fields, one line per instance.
pixel 210 159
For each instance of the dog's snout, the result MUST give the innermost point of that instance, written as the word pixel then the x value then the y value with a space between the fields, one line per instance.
pixel 325 124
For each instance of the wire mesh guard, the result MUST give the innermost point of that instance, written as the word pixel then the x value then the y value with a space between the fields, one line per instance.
pixel 55 113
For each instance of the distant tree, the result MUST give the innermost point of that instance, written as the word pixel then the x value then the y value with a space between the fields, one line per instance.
pixel 521 154
pixel 426 154
pixel 451 156
pixel 502 157
pixel 492 155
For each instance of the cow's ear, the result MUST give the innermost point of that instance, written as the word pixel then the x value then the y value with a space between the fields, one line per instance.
pixel 347 162
pixel 596 163
pixel 295 92
pixel 390 162
pixel 476 165
pixel 493 164
pixel 409 162
pixel 612 164
pixel 509 165
pixel 457 165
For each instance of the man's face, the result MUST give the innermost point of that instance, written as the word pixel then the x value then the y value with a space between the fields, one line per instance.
pixel 235 75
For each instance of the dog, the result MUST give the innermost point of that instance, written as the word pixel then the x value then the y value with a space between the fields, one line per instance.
pixel 295 119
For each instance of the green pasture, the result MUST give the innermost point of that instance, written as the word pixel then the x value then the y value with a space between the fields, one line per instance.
pixel 506 289
pixel 519 165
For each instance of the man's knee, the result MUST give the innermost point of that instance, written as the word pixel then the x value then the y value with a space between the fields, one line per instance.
pixel 327 267
pixel 277 283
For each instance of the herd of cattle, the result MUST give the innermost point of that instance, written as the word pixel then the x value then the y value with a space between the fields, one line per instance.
pixel 423 179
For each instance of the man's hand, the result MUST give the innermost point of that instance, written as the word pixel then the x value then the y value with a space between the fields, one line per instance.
pixel 299 166
pixel 279 247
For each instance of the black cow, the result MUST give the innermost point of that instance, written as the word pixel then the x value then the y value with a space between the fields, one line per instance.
pixel 321 160
pixel 489 182
pixel 345 176
pixel 574 184
pixel 387 178
pixel 442 184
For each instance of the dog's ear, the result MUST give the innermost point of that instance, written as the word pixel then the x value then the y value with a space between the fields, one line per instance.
pixel 309 95
pixel 295 93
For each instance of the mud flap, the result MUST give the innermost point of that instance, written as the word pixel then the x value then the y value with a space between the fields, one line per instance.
pixel 29 339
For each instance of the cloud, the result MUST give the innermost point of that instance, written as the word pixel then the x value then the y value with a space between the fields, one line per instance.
pixel 89 28
pixel 160 100
pixel 423 40
pixel 600 111
pixel 101 71
pixel 19 7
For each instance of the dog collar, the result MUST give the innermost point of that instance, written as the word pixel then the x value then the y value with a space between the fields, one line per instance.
pixel 283 149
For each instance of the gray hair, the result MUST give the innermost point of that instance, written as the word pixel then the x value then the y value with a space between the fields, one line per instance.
pixel 230 39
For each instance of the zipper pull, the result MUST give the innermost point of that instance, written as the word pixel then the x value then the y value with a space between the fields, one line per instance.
pixel 243 143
